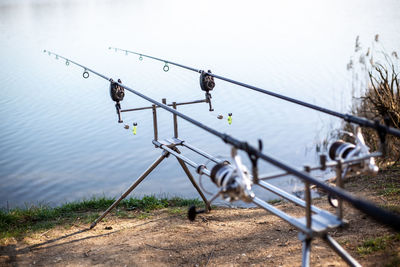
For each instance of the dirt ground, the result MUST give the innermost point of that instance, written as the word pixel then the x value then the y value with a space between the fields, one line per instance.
pixel 223 237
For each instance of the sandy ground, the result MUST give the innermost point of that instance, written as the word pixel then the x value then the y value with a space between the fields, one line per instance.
pixel 224 237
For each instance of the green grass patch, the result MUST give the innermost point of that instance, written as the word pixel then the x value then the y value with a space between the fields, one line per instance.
pixel 377 244
pixel 18 222
pixel 275 201
pixel 390 190
pixel 177 211
pixel 142 216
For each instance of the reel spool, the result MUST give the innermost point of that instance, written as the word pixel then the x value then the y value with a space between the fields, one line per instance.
pixel 233 180
pixel 340 149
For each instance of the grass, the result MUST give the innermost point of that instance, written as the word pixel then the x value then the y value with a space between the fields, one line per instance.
pixel 275 201
pixel 386 186
pixel 19 222
pixel 390 190
pixel 377 244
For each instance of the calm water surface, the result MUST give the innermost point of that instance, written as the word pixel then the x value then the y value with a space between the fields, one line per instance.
pixel 60 140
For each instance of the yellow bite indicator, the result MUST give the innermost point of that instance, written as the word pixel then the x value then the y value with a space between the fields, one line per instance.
pixel 230 118
pixel 134 128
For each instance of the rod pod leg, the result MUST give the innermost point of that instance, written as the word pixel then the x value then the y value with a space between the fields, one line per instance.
pixel 189 175
pixel 135 184
pixel 306 249
pixel 341 251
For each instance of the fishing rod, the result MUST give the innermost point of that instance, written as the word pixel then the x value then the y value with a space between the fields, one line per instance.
pixel 382 129
pixel 375 212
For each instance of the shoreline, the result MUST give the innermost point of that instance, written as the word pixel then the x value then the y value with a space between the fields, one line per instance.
pixel 225 236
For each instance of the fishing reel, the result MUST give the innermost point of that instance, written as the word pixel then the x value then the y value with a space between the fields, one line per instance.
pixel 234 182
pixel 341 150
pixel 207 84
pixel 117 94
pixel 358 153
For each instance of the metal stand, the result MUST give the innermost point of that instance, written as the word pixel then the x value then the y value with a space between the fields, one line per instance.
pixel 306 250
pixel 339 183
pixel 189 175
pixel 133 186
pixel 340 251
pixel 168 147
pixel 316 223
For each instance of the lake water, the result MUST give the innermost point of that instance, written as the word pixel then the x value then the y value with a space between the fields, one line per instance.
pixel 60 140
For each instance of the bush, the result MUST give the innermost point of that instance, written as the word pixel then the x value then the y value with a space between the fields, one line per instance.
pixel 376 95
